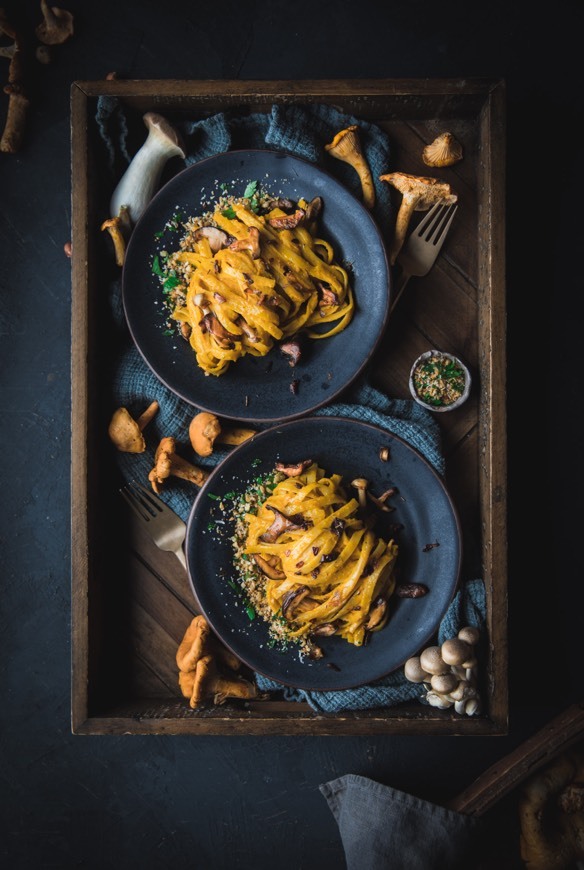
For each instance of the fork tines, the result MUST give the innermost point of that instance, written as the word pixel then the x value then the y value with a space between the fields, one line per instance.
pixel 141 500
pixel 434 225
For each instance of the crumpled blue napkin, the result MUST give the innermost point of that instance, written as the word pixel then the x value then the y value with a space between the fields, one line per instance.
pixel 302 131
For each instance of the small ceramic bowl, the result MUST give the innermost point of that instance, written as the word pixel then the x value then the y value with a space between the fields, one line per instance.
pixel 439 381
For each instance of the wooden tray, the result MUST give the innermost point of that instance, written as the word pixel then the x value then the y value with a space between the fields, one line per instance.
pixel 130 602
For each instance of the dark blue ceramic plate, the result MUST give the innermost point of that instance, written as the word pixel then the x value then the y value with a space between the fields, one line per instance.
pixel 258 389
pixel 422 506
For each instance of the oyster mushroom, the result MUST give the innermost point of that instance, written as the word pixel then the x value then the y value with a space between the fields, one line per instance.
pixel 281 523
pixel 419 193
pixel 205 429
pixel 126 432
pixel 377 615
pixel 217 238
pixel 293 470
pixel 292 348
pixel 210 323
pixel 313 209
pixel 288 221
pixel 267 568
pixel 139 181
pixel 292 599
pixel 346 146
pixel 445 150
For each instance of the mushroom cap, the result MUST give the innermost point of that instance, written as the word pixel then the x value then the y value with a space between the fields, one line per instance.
pixel 125 432
pixel 414 672
pixel 445 150
pixel 203 430
pixel 431 661
pixel 162 463
pixel 346 143
pixel 159 126
pixel 57 26
pixel 191 647
pixel 469 634
pixel 444 683
pixel 455 651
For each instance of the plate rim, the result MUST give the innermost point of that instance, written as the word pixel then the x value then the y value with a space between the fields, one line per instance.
pixel 383 320
pixel 313 420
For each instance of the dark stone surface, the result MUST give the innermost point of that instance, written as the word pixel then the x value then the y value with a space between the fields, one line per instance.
pixel 214 803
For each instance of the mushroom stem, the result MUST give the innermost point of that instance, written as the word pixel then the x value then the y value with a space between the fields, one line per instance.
pixel 168 463
pixel 138 183
pixel 56 26
pixel 346 146
pixel 18 102
pixel 205 430
pixel 360 484
pixel 118 227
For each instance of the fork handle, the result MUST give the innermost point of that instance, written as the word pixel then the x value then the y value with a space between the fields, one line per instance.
pixel 400 286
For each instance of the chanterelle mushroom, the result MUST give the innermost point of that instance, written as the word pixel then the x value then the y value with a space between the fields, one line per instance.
pixel 205 429
pixel 126 432
pixel 168 463
pixel 346 146
pixel 199 641
pixel 443 151
pixel 56 26
pixel 419 193
pixel 18 102
pixel 199 675
pixel 208 682
pixel 119 228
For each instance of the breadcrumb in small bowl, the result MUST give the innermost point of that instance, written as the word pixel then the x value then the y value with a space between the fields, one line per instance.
pixel 439 381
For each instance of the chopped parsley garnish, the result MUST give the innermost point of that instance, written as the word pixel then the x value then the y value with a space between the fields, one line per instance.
pixel 156 267
pixel 229 213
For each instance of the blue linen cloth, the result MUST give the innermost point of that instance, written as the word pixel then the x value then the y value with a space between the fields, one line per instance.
pixel 302 131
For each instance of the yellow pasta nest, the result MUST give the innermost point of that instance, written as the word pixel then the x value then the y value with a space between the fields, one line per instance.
pixel 326 571
pixel 267 284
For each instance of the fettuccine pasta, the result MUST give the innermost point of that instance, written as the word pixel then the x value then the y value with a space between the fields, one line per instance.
pixel 248 280
pixel 324 569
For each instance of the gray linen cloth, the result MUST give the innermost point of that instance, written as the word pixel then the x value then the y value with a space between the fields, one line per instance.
pixel 385 829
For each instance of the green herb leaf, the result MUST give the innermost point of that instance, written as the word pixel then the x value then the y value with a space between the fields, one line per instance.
pixel 156 267
pixel 170 282
pixel 250 612
pixel 213 496
pixel 250 190
pixel 229 213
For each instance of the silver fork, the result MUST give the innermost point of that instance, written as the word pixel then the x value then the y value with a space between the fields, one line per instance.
pixel 166 528
pixel 423 245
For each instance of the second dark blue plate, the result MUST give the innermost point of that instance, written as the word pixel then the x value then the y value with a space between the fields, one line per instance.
pixel 423 510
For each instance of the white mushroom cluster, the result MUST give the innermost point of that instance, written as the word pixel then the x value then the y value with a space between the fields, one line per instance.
pixel 449 673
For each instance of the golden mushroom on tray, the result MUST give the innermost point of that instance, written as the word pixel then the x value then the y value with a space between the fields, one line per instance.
pixel 419 193
pixel 445 150
pixel 208 670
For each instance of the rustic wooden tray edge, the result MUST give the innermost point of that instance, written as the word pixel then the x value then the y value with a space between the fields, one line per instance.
pixel 491 96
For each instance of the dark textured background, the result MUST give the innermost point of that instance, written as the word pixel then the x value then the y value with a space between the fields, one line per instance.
pixel 210 802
